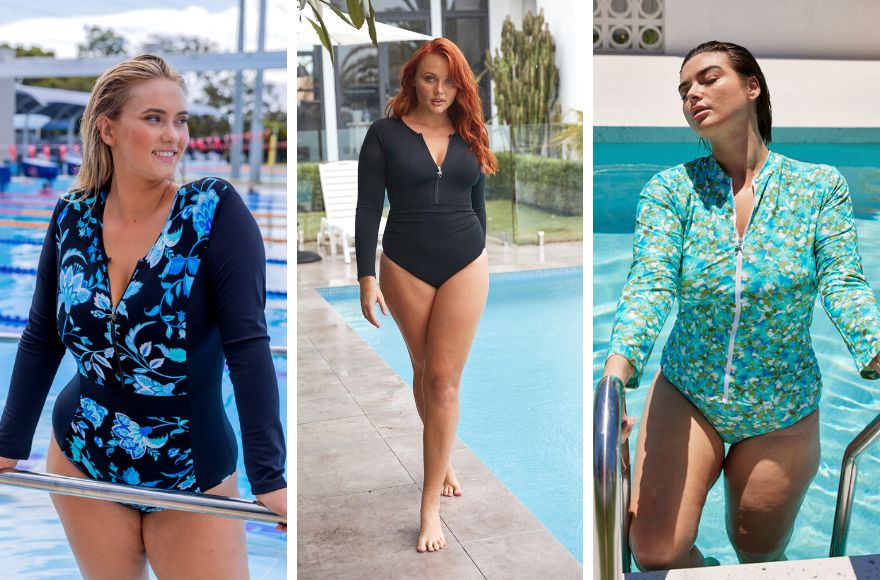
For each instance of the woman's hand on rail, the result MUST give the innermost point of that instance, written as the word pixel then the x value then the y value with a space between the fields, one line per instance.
pixel 370 295
pixel 276 501
pixel 7 463
pixel 626 427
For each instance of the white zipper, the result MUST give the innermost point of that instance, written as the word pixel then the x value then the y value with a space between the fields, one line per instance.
pixel 737 285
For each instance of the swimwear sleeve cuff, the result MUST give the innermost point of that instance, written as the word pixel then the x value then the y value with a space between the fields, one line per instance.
pixel 632 357
pixel 864 366
pixel 269 486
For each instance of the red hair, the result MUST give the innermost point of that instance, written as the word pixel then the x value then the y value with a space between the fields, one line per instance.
pixel 466 112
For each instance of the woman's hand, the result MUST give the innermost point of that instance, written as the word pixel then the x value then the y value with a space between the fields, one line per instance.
pixel 276 501
pixel 7 463
pixel 875 364
pixel 618 366
pixel 370 295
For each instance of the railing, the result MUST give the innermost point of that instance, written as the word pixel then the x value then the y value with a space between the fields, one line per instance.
pixel 610 481
pixel 280 350
pixel 211 505
pixel 845 492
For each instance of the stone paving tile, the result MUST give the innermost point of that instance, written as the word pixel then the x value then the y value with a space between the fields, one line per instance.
pixel 335 433
pixel 486 510
pixel 843 568
pixel 451 563
pixel 359 526
pixel 317 385
pixel 314 409
pixel 385 396
pixel 400 422
pixel 350 468
pixel 525 556
pixel 408 449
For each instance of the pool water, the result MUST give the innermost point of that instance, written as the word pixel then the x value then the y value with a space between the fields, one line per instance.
pixel 32 541
pixel 848 402
pixel 521 391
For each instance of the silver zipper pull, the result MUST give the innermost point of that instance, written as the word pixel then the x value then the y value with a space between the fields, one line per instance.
pixel 739 245
pixel 439 171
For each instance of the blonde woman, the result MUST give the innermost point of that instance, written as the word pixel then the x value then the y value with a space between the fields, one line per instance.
pixel 149 284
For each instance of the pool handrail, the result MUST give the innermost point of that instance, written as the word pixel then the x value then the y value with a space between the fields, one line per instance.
pixel 610 481
pixel 212 505
pixel 849 470
pixel 280 350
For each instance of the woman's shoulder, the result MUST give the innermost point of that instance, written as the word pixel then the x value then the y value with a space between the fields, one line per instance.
pixel 208 186
pixel 808 171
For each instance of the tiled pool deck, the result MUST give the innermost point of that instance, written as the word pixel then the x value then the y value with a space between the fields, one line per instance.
pixel 359 466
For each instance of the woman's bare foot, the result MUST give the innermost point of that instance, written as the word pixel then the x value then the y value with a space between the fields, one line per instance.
pixel 451 487
pixel 431 538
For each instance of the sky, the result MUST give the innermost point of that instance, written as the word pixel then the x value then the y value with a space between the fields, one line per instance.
pixel 59 24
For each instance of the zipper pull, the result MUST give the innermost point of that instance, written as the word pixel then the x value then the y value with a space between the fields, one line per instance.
pixel 439 172
pixel 113 316
pixel 739 245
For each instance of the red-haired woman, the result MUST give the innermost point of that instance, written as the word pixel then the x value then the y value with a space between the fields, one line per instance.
pixel 431 154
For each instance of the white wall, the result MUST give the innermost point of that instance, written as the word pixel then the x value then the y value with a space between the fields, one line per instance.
pixel 640 91
pixel 845 29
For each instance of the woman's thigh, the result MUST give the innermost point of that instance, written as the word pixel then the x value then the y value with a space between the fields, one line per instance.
pixel 105 536
pixel 193 546
pixel 766 478
pixel 409 300
pixel 678 459
pixel 455 315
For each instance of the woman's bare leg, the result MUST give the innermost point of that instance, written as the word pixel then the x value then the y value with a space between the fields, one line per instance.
pixel 455 315
pixel 409 301
pixel 105 536
pixel 187 546
pixel 765 480
pixel 678 459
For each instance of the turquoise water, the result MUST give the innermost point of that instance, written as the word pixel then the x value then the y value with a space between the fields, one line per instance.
pixel 848 402
pixel 521 391
pixel 32 541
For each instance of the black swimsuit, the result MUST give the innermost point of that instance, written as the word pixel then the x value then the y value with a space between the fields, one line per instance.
pixel 146 407
pixel 437 222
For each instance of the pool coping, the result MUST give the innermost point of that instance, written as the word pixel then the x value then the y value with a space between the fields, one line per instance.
pixel 842 568
pixel 359 460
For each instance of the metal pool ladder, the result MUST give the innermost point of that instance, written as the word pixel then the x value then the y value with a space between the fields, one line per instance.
pixel 610 481
pixel 212 505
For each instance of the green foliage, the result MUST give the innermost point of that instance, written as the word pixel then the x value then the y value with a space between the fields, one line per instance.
pixel 355 18
pixel 101 42
pixel 308 186
pixel 552 184
pixel 526 78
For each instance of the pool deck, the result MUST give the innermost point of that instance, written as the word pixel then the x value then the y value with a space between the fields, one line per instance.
pixel 359 466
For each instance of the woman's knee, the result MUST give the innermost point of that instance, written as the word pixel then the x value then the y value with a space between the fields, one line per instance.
pixel 441 388
pixel 656 547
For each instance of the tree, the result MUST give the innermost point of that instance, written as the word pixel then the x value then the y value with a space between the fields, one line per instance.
pixel 359 12
pixel 101 42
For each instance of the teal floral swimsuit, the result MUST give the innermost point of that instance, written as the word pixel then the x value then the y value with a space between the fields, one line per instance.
pixel 740 349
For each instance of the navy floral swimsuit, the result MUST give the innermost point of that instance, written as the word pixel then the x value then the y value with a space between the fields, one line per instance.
pixel 146 407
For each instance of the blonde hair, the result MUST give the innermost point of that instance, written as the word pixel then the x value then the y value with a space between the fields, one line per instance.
pixel 111 91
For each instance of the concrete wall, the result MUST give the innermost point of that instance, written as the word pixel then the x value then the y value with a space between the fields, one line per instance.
pixel 640 91
pixel 843 29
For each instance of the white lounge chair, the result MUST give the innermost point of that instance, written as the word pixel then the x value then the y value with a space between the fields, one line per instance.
pixel 339 187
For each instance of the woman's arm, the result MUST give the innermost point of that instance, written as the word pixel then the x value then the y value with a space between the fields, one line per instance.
pixel 846 296
pixel 370 200
pixel 651 286
pixel 478 202
pixel 39 353
pixel 236 262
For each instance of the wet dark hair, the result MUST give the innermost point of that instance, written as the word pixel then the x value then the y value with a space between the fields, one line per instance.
pixel 746 66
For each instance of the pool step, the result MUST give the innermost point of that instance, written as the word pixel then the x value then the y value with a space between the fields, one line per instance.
pixel 844 568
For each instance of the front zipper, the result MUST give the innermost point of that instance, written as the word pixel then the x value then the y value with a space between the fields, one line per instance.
pixel 437 185
pixel 737 288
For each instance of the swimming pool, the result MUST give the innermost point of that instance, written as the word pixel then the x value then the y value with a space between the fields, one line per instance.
pixel 848 402
pixel 32 542
pixel 522 389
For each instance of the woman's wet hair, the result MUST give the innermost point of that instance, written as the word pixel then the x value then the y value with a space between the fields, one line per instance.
pixel 746 66
pixel 109 95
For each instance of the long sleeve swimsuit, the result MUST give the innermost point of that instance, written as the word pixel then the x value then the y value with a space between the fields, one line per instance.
pixel 145 407
pixel 740 349
pixel 437 222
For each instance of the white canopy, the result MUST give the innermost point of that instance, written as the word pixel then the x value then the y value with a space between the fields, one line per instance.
pixel 342 33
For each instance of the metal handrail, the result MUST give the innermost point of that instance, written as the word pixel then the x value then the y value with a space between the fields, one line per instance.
pixel 212 505
pixel 849 470
pixel 610 480
pixel 280 350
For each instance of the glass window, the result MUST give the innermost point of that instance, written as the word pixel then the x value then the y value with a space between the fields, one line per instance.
pixel 309 107
pixel 479 5
pixel 471 34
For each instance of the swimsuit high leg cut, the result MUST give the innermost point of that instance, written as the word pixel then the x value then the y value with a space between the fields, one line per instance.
pixel 437 221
